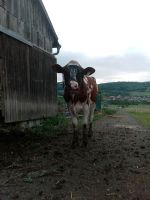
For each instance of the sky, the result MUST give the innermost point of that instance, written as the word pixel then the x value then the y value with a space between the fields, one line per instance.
pixel 113 36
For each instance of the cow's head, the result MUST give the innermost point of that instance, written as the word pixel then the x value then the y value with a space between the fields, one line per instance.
pixel 73 74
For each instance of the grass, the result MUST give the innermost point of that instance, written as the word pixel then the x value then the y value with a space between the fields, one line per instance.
pixel 145 93
pixel 141 113
pixel 143 118
pixel 138 108
pixel 58 124
pixel 52 126
pixel 105 111
pixel 109 111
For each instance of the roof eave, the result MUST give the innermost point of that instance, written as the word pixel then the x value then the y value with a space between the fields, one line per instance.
pixel 56 43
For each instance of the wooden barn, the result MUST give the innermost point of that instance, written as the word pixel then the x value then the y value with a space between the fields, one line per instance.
pixel 27 45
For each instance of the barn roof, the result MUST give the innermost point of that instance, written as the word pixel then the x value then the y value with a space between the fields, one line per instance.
pixel 56 43
pixel 13 32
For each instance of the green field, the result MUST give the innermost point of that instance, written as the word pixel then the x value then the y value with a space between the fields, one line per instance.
pixel 146 93
pixel 141 113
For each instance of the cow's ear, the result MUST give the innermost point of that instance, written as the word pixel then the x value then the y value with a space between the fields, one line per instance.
pixel 88 71
pixel 57 68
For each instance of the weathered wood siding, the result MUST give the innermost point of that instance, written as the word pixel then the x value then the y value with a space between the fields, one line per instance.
pixel 29 84
pixel 27 18
pixel 1 77
pixel 1 100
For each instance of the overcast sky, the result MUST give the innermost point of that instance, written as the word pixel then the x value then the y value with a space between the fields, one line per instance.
pixel 113 36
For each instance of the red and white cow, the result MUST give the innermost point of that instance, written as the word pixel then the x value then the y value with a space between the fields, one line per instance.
pixel 80 94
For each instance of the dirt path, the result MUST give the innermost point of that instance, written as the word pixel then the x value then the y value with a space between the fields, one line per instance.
pixel 114 166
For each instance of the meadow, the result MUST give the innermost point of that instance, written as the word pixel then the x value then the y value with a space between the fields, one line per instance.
pixel 141 113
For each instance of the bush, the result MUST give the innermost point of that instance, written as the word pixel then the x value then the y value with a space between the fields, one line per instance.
pixel 52 126
pixel 108 111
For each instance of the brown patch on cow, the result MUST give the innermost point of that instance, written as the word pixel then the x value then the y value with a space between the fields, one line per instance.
pixel 93 86
pixel 87 92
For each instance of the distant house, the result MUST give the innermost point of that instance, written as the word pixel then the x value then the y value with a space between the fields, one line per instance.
pixel 27 42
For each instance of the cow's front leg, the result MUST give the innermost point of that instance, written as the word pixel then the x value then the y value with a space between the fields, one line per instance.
pixel 85 124
pixel 75 141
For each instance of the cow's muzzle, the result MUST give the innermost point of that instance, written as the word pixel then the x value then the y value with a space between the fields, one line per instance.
pixel 74 85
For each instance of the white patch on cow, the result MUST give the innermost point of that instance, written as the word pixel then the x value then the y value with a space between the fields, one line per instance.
pixel 92 108
pixel 91 86
pixel 74 85
pixel 73 114
pixel 74 110
pixel 75 121
pixel 77 107
pixel 73 62
pixel 89 90
pixel 85 80
pixel 86 112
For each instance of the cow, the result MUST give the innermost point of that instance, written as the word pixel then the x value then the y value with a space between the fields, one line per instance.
pixel 80 92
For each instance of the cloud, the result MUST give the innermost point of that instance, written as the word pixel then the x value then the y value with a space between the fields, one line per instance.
pixel 129 67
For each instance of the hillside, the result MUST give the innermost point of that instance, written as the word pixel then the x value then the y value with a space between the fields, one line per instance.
pixel 118 88
pixel 126 88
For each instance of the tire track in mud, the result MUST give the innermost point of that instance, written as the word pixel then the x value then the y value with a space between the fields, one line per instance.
pixel 127 145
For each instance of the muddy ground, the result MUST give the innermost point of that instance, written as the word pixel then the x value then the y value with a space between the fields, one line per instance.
pixel 114 166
